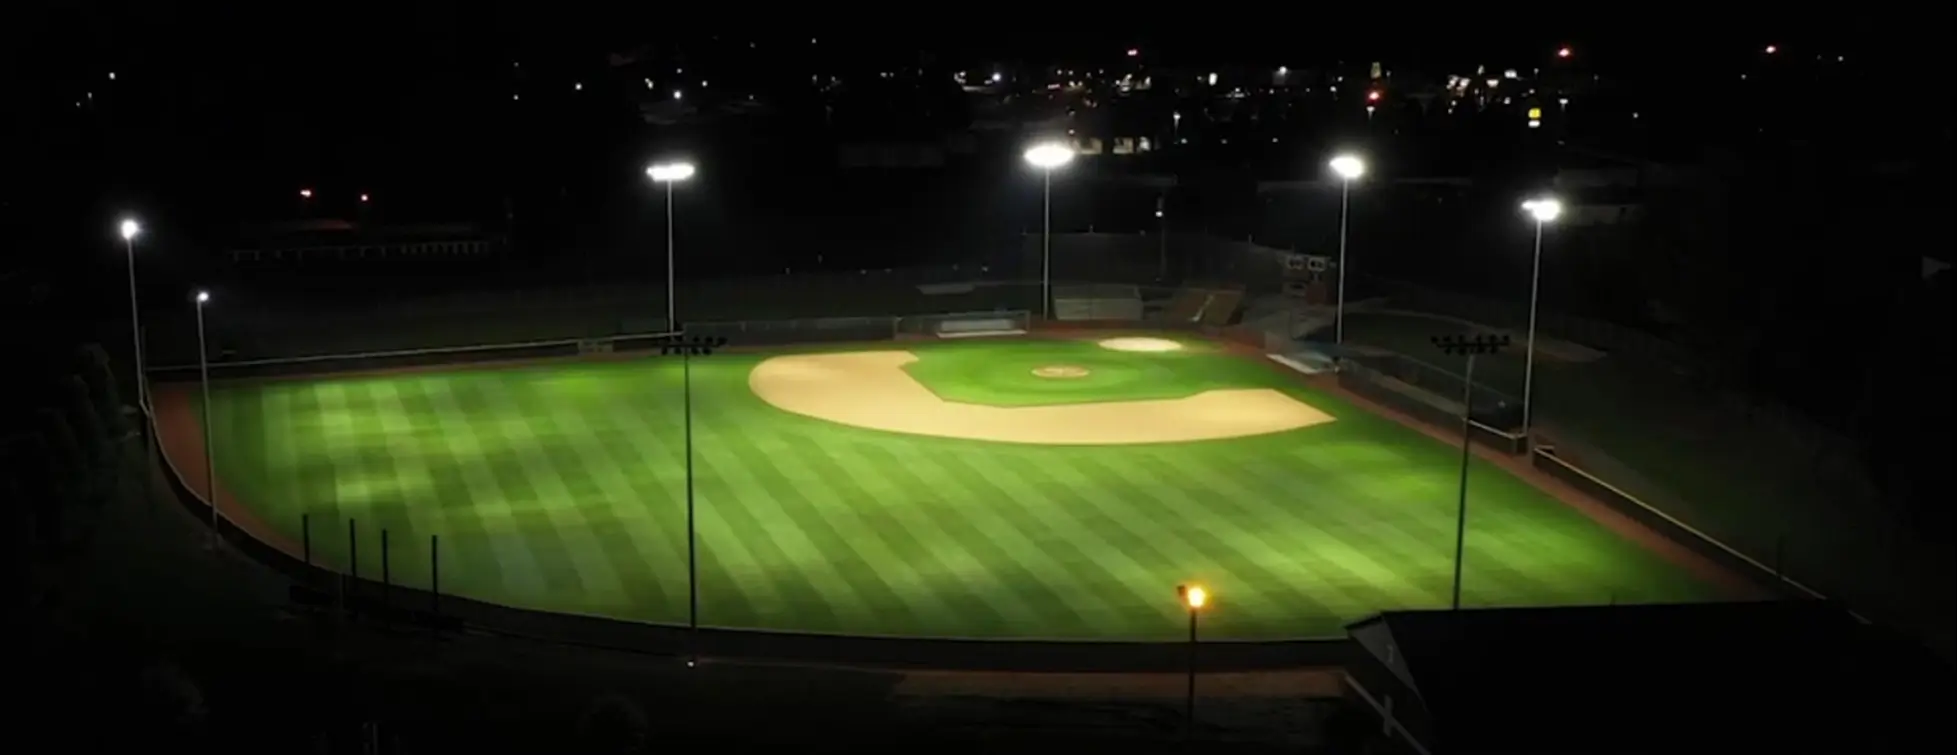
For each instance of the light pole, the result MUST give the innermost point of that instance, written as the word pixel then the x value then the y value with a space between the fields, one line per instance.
pixel 1545 210
pixel 1349 168
pixel 687 348
pixel 210 452
pixel 1194 597
pixel 130 229
pixel 1470 346
pixel 1048 157
pixel 669 174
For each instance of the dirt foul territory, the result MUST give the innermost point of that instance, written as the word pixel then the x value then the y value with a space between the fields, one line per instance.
pixel 870 389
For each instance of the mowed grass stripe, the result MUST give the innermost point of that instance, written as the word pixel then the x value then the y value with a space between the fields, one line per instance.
pixel 899 510
pixel 832 518
pixel 1074 592
pixel 406 434
pixel 736 589
pixel 513 565
pixel 926 503
pixel 1104 579
pixel 575 502
pixel 313 478
pixel 467 561
pixel 565 553
pixel 1349 522
pixel 744 472
pixel 1186 544
pixel 630 542
pixel 354 474
pixel 1238 531
pixel 1284 527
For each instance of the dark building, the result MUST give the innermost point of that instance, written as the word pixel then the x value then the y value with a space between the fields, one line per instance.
pixel 1724 677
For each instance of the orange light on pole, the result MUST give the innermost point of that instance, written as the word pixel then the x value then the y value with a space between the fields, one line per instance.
pixel 1194 597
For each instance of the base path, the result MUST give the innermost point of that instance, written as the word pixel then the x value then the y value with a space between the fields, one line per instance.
pixel 871 390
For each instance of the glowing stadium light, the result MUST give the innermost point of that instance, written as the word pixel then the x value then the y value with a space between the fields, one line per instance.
pixel 129 229
pixel 1544 209
pixel 1049 155
pixel 1194 596
pixel 670 172
pixel 1348 167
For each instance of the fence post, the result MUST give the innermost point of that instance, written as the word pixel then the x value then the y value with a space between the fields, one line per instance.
pixel 306 537
pixel 435 572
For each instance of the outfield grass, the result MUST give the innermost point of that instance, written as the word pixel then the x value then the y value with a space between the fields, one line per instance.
pixel 561 487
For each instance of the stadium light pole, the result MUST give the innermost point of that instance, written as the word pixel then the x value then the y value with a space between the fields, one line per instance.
pixel 1349 168
pixel 1194 597
pixel 130 229
pixel 1470 346
pixel 1048 157
pixel 1545 210
pixel 670 174
pixel 204 377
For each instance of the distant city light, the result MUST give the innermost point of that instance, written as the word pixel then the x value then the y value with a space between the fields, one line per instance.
pixel 363 197
pixel 577 86
pixel 1771 49
pixel 305 193
pixel 1563 53
pixel 996 77
pixel 1283 70
pixel 676 94
pixel 1535 113
pixel 1372 96
pixel 1212 79
pixel 112 75
pixel 1132 52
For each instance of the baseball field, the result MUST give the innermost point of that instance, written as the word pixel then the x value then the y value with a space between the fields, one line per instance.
pixel 1026 488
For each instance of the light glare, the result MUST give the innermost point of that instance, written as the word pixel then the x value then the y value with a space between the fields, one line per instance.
pixel 203 296
pixel 1349 167
pixel 1544 210
pixel 1049 155
pixel 129 229
pixel 1195 596
pixel 670 172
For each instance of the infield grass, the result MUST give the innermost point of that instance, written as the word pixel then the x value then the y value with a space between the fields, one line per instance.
pixel 562 487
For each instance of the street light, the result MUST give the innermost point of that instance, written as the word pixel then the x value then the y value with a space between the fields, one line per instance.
pixel 1194 597
pixel 670 174
pixel 1349 168
pixel 1545 210
pixel 1048 156
pixel 210 451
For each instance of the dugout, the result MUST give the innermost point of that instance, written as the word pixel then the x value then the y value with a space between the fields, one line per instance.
pixel 1716 677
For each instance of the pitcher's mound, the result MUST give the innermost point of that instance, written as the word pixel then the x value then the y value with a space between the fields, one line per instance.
pixel 1060 371
pixel 1136 343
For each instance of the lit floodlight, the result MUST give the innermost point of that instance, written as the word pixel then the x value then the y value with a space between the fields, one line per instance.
pixel 1544 210
pixel 670 172
pixel 1049 155
pixel 1194 596
pixel 129 229
pixel 1349 167
pixel 203 296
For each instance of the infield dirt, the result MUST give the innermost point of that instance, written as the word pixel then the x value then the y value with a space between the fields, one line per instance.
pixel 870 389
